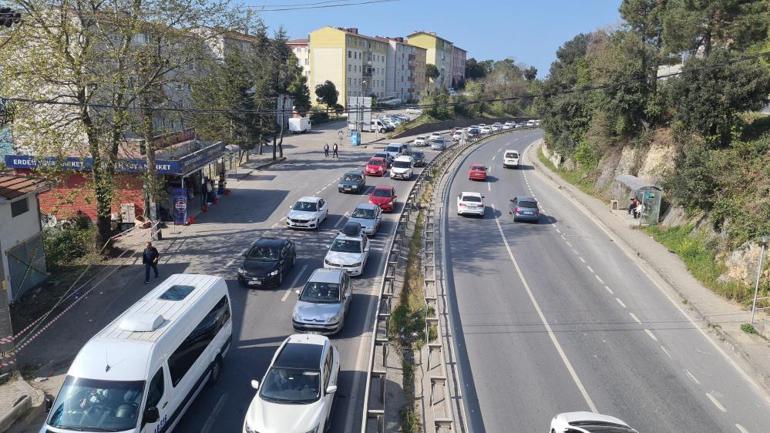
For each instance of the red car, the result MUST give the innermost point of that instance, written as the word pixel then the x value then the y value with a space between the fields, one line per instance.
pixel 383 196
pixel 477 172
pixel 376 167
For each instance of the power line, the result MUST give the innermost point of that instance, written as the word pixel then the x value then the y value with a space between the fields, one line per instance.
pixel 318 5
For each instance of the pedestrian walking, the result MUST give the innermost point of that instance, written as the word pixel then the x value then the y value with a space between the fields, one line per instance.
pixel 335 153
pixel 150 258
pixel 326 150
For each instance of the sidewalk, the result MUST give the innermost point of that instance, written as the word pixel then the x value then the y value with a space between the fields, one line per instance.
pixel 721 318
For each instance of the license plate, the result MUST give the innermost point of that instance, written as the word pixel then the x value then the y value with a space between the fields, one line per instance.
pixel 255 281
pixel 347 188
pixel 528 213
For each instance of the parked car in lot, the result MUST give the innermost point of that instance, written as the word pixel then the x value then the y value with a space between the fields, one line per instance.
pixel 376 167
pixel 414 111
pixel 266 262
pixel 438 144
pixel 384 196
pixel 369 216
pixel 470 203
pixel 352 181
pixel 386 156
pixel 402 168
pixel 307 213
pixel 511 159
pixel 421 140
pixel 477 172
pixel 349 250
pixel 419 158
pixel 297 392
pixel 524 208
pixel 323 302
pixel 588 422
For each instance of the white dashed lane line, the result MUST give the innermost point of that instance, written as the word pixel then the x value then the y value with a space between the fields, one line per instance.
pixel 716 402
pixel 582 259
pixel 608 289
pixel 620 302
pixel 598 278
pixel 650 334
pixel 692 377
pixel 741 428
pixel 591 269
pixel 636 319
pixel 666 352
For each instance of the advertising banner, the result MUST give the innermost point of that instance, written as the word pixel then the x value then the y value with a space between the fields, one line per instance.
pixel 179 197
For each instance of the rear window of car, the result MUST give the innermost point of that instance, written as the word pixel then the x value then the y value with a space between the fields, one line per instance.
pixel 511 155
pixel 479 168
pixel 393 149
pixel 376 162
pixel 529 204
pixel 382 192
pixel 472 198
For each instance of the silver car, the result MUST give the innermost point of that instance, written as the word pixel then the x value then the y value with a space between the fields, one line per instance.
pixel 438 144
pixel 323 302
pixel 369 216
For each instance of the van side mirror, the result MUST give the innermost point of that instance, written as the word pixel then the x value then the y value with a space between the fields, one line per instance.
pixel 255 384
pixel 331 389
pixel 298 292
pixel 151 415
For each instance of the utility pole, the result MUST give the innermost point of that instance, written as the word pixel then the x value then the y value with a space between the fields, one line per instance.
pixel 763 243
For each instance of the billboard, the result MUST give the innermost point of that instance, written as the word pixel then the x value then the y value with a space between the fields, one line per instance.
pixel 360 113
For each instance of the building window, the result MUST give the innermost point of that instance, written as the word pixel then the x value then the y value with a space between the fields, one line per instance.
pixel 348 54
pixel 19 207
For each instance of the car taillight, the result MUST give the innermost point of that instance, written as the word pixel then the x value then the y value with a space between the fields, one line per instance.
pixel 518 211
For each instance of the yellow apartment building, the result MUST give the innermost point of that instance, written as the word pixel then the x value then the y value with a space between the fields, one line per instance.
pixel 439 52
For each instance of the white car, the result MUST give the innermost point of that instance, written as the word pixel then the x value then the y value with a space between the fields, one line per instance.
pixel 307 213
pixel 457 136
pixel 402 168
pixel 421 140
pixel 470 203
pixel 511 159
pixel 485 130
pixel 531 123
pixel 434 136
pixel 588 422
pixel 297 391
pixel 509 125
pixel 349 252
pixel 497 126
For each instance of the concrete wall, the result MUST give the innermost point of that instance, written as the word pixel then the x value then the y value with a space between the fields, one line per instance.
pixel 16 230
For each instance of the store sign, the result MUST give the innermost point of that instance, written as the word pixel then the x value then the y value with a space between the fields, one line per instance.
pixel 179 196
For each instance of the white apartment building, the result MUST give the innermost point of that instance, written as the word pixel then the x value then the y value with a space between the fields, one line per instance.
pixel 301 49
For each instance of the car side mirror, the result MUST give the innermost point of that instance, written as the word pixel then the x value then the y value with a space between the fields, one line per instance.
pixel 331 389
pixel 48 403
pixel 151 415
pixel 255 384
pixel 298 292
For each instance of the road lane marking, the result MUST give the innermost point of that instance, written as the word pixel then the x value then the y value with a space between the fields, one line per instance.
pixel 741 428
pixel 591 269
pixel 636 319
pixel 558 231
pixel 341 220
pixel 582 259
pixel 493 158
pixel 620 302
pixel 230 263
pixel 214 414
pixel 489 186
pixel 692 377
pixel 599 279
pixel 609 290
pixel 547 326
pixel 575 251
pixel 716 402
pixel 666 352
pixel 569 244
pixel 293 283
pixel 650 334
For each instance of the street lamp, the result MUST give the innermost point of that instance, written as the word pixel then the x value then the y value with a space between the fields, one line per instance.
pixel 763 242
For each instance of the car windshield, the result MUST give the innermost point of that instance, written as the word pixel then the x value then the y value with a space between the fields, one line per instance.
pixel 363 213
pixel 473 198
pixel 529 204
pixel 346 246
pixel 291 385
pixel 376 162
pixel 352 178
pixel 324 293
pixel 402 164
pixel 307 206
pixel 97 405
pixel 479 168
pixel 262 253
pixel 393 149
pixel 382 193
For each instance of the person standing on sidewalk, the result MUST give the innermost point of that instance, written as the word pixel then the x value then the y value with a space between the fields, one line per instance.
pixel 150 258
pixel 334 151
pixel 326 150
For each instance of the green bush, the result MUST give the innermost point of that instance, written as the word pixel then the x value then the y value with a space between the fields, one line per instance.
pixel 64 246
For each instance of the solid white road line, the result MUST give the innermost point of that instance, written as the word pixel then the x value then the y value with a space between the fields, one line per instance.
pixel 692 377
pixel 636 319
pixel 293 283
pixel 547 326
pixel 620 302
pixel 650 334
pixel 741 428
pixel 716 402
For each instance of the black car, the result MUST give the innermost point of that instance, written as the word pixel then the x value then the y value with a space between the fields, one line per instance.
pixel 419 158
pixel 352 181
pixel 266 262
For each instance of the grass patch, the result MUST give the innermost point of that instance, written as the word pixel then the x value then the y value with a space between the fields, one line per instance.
pixel 699 256
pixel 407 320
pixel 577 177
pixel 748 328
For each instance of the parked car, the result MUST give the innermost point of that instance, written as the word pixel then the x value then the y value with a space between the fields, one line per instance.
pixel 297 392
pixel 524 208
pixel 307 213
pixel 438 144
pixel 588 422
pixel 394 150
pixel 421 140
pixel 470 203
pixel 386 156
pixel 384 196
pixel 369 216
pixel 352 181
pixel 376 166
pixel 402 168
pixel 511 159
pixel 266 262
pixel 415 111
pixel 419 158
pixel 349 250
pixel 323 302
pixel 477 172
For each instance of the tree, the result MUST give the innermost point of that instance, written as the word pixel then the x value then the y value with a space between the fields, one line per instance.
pixel 474 70
pixel 431 72
pixel 327 94
pixel 530 73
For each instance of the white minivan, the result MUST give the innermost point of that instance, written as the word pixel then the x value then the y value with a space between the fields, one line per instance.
pixel 142 371
pixel 511 159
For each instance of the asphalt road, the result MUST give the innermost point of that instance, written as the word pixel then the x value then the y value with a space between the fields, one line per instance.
pixel 554 317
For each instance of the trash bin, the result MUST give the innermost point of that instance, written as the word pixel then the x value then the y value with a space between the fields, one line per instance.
pixel 355 138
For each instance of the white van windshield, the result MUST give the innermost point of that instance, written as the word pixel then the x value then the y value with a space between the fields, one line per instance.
pixel 97 405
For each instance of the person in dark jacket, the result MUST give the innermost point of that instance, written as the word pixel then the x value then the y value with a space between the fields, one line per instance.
pixel 150 258
pixel 335 149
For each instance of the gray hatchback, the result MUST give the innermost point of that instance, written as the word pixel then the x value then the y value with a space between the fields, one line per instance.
pixel 323 302
pixel 369 216
pixel 524 208
pixel 352 181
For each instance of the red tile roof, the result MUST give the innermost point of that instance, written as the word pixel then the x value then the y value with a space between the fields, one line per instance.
pixel 12 186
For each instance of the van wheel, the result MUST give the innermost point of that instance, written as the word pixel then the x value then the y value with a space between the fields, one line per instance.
pixel 216 371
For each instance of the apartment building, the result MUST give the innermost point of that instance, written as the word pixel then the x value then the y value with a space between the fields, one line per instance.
pixel 439 52
pixel 405 70
pixel 459 56
pixel 301 49
pixel 355 63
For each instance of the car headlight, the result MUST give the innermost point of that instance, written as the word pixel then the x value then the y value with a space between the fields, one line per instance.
pixel 247 428
pixel 274 273
pixel 334 319
pixel 328 262
pixel 339 185
pixel 241 271
pixel 356 264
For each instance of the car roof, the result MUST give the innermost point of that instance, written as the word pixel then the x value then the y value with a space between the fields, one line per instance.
pixel 468 193
pixel 368 206
pixel 302 352
pixel 511 150
pixel 478 166
pixel 388 187
pixel 357 171
pixel 525 198
pixel 269 242
pixel 310 199
pixel 582 416
pixel 323 275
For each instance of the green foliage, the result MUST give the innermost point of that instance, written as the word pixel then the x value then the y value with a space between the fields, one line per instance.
pixel 437 105
pixel 431 72
pixel 586 156
pixel 64 246
pixel 503 77
pixel 692 184
pixel 748 328
pixel 475 70
pixel 327 94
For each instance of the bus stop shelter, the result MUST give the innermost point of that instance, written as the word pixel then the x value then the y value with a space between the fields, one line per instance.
pixel 647 193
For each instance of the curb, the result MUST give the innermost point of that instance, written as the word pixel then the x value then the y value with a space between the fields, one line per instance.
pixel 261 166
pixel 566 188
pixel 19 409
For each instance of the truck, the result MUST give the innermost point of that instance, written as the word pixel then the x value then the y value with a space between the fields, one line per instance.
pixel 299 125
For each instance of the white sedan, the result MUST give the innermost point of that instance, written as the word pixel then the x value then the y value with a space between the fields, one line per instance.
pixel 297 392
pixel 588 422
pixel 485 130
pixel 421 140
pixel 434 136
pixel 348 252
pixel 307 213
pixel 470 203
